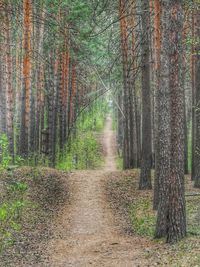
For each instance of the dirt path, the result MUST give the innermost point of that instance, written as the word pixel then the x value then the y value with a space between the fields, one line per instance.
pixel 85 232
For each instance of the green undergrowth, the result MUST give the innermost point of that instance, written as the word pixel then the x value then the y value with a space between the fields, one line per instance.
pixel 29 200
pixel 136 208
pixel 7 162
pixel 143 218
pixel 119 163
pixel 185 252
pixel 13 203
pixel 13 200
pixel 84 150
pixel 84 153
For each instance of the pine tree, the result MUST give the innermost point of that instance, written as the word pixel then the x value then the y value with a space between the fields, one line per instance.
pixel 171 220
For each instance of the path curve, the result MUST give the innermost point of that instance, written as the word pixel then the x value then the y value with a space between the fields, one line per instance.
pixel 86 233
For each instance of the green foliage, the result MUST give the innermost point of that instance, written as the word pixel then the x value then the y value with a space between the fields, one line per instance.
pixel 5 158
pixel 119 163
pixel 83 154
pixel 94 121
pixel 11 211
pixel 19 161
pixel 143 217
pixel 84 150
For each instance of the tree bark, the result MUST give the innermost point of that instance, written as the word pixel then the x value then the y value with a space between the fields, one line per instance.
pixel 157 52
pixel 197 98
pixel 193 99
pixel 146 158
pixel 25 116
pixel 124 48
pixel 171 220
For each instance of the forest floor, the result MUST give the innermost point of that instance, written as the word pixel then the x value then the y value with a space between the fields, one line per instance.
pixel 89 218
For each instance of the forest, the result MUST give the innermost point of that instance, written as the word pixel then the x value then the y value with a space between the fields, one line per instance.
pixel 99 133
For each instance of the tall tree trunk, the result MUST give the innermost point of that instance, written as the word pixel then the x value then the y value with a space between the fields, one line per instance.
pixel 39 81
pixel 25 117
pixel 145 176
pixel 171 219
pixel 124 48
pixel 177 212
pixel 9 85
pixel 4 47
pixel 63 96
pixel 197 98
pixel 2 95
pixel 73 95
pixel 184 86
pixel 157 51
pixel 132 90
pixel 193 160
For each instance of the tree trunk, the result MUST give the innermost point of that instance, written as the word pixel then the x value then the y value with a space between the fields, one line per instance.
pixel 146 159
pixel 9 85
pixel 157 51
pixel 171 220
pixel 193 99
pixel 132 89
pixel 25 117
pixel 197 98
pixel 124 48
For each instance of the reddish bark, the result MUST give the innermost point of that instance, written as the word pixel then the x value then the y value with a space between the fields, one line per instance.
pixel 24 142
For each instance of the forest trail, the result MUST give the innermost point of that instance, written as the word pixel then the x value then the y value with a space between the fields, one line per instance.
pixel 86 233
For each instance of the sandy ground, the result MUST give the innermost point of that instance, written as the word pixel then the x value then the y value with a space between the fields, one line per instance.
pixel 86 233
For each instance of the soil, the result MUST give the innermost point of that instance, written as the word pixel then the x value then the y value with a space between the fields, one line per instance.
pixel 86 232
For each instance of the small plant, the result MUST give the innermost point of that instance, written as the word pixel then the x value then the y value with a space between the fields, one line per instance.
pixel 5 158
pixel 19 161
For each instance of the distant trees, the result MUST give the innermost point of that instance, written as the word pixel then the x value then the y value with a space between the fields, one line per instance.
pixel 42 80
pixel 131 120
